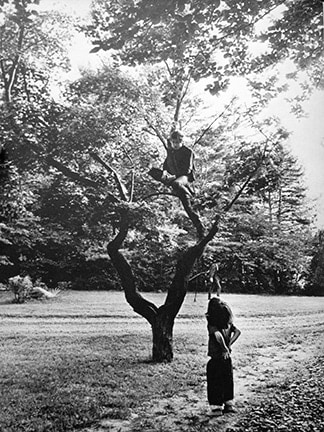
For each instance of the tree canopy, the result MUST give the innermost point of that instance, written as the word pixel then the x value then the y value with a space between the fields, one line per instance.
pixel 76 197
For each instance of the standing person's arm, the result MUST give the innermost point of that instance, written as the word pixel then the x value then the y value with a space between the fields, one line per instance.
pixel 235 335
pixel 221 341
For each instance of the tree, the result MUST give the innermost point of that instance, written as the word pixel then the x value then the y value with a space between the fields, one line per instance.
pixel 130 208
pixel 113 127
pixel 31 53
pixel 263 244
pixel 94 154
pixel 31 50
pixel 193 40
pixel 315 279
pixel 297 35
pixel 209 38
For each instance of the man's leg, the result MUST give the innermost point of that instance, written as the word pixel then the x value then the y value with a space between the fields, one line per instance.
pixel 182 188
pixel 182 184
pixel 157 174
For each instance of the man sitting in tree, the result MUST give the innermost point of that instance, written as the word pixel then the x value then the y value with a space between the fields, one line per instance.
pixel 178 167
pixel 178 172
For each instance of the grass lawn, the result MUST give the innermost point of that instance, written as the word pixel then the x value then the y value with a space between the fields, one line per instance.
pixel 81 362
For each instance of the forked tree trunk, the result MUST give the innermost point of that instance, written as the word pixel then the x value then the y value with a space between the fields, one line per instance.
pixel 161 319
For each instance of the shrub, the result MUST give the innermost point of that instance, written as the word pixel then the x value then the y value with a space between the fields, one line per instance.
pixel 22 288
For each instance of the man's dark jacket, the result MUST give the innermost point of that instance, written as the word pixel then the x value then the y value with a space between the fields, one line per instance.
pixel 180 162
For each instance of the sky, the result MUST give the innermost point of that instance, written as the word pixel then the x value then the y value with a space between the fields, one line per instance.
pixel 79 7
pixel 307 137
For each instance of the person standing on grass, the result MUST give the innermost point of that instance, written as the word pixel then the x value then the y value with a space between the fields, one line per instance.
pixel 222 334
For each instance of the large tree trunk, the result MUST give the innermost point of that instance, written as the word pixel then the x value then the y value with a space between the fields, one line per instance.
pixel 162 333
pixel 161 319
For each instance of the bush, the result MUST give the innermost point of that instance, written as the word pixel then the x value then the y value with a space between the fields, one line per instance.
pixel 22 288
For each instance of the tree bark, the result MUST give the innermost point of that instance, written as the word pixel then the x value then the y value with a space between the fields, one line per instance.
pixel 161 319
pixel 162 335
pixel 156 174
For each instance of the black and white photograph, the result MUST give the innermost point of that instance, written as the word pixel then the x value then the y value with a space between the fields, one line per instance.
pixel 161 215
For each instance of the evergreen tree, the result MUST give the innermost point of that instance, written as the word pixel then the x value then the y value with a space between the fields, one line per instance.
pixel 316 271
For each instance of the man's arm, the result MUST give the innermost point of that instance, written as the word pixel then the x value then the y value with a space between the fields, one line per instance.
pixel 165 169
pixel 187 161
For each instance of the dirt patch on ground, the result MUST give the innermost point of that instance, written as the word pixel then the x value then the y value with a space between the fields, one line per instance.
pixel 254 380
pixel 86 354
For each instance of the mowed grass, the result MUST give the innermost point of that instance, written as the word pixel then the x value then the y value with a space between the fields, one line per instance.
pixel 66 363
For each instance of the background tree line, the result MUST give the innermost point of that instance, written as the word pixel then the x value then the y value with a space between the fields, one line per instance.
pixel 61 156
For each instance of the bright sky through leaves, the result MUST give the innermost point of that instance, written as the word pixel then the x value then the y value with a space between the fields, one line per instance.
pixel 307 140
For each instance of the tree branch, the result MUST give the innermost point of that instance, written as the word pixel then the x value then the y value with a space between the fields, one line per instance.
pixel 186 87
pixel 260 130
pixel 74 176
pixel 121 188
pixel 228 206
pixel 15 64
pixel 25 84
pixel 157 133
pixel 257 19
pixel 178 290
pixel 214 121
pixel 168 67
pixel 194 217
pixel 3 72
pixel 131 195
pixel 140 305
pixel 159 194
pixel 180 97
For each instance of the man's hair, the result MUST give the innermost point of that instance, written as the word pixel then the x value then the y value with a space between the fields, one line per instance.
pixel 176 135
pixel 219 314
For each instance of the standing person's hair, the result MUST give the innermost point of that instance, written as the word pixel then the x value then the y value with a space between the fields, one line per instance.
pixel 219 314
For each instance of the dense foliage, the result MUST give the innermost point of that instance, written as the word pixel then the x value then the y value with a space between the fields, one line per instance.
pixel 61 157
